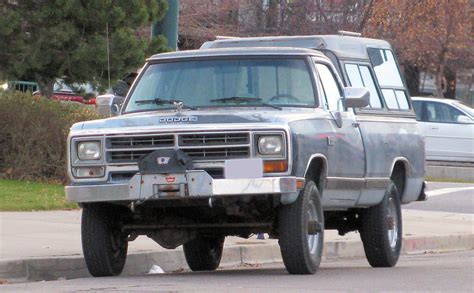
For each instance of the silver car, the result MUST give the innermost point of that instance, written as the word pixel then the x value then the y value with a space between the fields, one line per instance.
pixel 448 127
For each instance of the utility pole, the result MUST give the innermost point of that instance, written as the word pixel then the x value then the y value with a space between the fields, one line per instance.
pixel 168 26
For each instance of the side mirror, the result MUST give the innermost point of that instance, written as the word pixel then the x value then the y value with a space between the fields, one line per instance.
pixel 108 105
pixel 355 97
pixel 463 119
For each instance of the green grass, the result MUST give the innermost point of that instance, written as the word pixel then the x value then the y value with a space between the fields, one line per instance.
pixel 32 196
pixel 434 179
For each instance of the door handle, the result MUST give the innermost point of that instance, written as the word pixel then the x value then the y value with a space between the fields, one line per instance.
pixel 434 127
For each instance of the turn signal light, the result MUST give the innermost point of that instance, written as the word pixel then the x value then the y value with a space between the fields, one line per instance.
pixel 300 184
pixel 275 166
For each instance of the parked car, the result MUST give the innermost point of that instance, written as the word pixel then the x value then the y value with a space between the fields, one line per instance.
pixel 235 141
pixel 448 127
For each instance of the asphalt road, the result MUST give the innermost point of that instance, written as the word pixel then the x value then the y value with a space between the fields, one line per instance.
pixel 447 197
pixel 429 272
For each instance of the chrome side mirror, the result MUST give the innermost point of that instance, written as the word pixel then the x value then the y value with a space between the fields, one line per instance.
pixel 463 119
pixel 108 105
pixel 356 97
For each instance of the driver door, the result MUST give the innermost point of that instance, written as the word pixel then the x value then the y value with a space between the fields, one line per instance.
pixel 346 162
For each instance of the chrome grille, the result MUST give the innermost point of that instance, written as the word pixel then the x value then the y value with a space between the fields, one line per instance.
pixel 199 146
pixel 213 139
pixel 140 141
pixel 217 153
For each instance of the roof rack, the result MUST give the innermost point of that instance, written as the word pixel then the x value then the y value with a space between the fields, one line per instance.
pixel 347 33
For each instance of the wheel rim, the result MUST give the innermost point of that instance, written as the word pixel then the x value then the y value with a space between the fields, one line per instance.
pixel 313 239
pixel 392 220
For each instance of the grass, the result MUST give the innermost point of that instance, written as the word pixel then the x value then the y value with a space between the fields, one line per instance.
pixel 32 196
pixel 434 179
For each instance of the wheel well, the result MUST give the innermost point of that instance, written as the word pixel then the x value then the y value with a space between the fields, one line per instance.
pixel 316 172
pixel 399 174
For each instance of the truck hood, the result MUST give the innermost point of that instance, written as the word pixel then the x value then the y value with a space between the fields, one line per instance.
pixel 217 118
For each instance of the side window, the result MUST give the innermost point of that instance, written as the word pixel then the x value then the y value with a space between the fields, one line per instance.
pixel 360 76
pixel 388 76
pixel 332 93
pixel 442 113
pixel 385 67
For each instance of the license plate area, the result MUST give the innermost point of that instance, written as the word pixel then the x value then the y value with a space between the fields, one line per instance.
pixel 162 186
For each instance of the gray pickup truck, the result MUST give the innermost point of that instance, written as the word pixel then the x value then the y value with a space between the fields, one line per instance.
pixel 281 135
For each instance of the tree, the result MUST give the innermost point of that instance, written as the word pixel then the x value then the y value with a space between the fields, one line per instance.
pixel 202 20
pixel 42 40
pixel 432 35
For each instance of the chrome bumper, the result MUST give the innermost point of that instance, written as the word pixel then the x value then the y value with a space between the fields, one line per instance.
pixel 195 183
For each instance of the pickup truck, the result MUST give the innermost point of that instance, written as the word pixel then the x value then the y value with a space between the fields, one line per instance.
pixel 288 136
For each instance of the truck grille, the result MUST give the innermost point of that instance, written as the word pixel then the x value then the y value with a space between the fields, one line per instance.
pixel 213 139
pixel 140 141
pixel 199 146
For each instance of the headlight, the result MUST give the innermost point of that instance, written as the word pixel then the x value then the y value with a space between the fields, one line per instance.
pixel 88 150
pixel 270 145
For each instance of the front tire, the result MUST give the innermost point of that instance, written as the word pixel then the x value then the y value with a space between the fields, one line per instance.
pixel 103 243
pixel 204 253
pixel 302 249
pixel 381 230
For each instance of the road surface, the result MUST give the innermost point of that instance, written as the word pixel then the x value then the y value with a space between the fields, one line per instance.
pixel 428 272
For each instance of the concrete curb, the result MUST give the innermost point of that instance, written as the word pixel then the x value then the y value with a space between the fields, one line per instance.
pixel 450 172
pixel 70 267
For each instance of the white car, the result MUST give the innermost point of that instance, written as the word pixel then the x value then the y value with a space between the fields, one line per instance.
pixel 448 126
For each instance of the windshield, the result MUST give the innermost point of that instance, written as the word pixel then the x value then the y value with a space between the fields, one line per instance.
pixel 231 82
pixel 466 108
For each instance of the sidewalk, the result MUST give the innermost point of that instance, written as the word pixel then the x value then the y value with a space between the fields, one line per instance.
pixel 47 245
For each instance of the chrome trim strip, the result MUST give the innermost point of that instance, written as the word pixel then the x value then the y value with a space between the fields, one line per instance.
pixel 357 183
pixel 377 183
pixel 345 183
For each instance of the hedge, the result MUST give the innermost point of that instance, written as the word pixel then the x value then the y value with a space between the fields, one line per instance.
pixel 33 132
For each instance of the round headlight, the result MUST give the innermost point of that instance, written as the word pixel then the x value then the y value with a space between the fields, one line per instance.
pixel 88 150
pixel 270 145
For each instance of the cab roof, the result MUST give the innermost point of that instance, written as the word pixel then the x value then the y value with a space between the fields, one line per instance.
pixel 253 51
pixel 342 45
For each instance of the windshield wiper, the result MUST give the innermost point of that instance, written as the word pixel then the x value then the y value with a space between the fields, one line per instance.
pixel 244 100
pixel 177 103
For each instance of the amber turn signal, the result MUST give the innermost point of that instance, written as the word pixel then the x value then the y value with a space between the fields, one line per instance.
pixel 300 184
pixel 275 166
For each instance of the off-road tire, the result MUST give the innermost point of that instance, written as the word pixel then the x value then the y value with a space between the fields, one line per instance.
pixel 204 253
pixel 293 232
pixel 376 222
pixel 103 244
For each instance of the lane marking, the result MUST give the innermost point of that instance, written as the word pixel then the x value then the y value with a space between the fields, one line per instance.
pixel 442 191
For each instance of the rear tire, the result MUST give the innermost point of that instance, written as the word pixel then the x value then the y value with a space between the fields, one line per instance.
pixel 204 253
pixel 103 243
pixel 300 251
pixel 381 230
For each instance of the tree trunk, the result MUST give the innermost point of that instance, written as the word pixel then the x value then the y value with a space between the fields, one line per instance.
pixel 450 85
pixel 412 77
pixel 46 87
pixel 467 93
pixel 440 83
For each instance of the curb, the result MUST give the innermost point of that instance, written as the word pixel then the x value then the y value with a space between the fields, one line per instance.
pixel 450 172
pixel 71 267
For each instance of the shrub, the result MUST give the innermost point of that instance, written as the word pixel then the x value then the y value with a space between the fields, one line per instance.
pixel 33 132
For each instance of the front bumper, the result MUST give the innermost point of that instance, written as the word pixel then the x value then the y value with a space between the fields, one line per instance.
pixel 192 184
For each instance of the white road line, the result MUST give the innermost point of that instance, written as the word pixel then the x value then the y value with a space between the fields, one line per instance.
pixel 448 190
